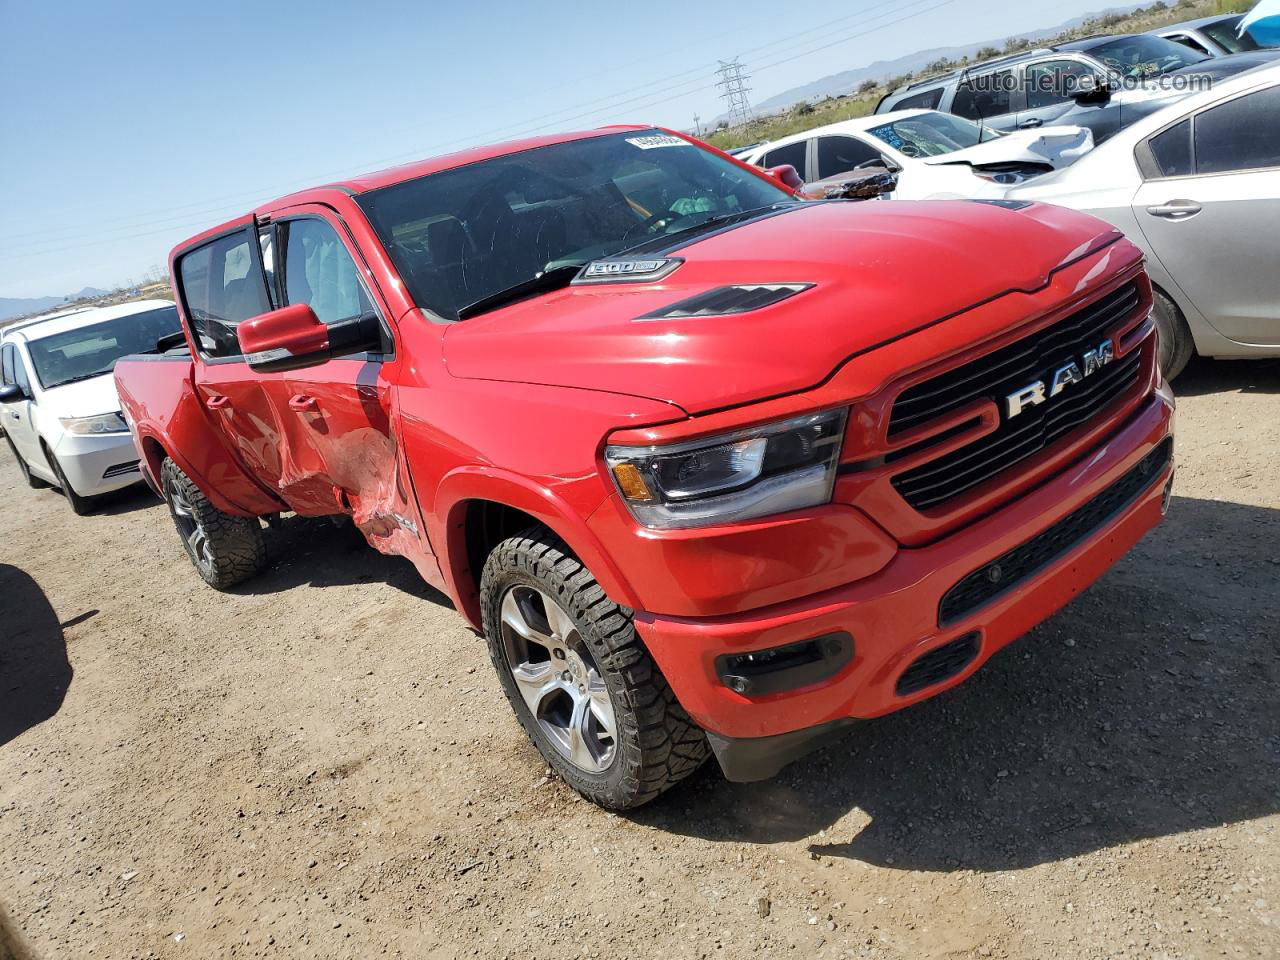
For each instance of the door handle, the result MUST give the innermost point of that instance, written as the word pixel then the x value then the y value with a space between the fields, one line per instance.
pixel 1175 209
pixel 302 402
pixel 217 402
pixel 1030 123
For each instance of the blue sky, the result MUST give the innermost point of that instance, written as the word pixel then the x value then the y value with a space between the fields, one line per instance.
pixel 128 126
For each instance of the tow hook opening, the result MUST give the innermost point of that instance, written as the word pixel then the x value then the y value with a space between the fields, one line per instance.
pixel 789 667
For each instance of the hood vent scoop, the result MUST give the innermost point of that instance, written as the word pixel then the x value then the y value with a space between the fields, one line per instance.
pixel 726 301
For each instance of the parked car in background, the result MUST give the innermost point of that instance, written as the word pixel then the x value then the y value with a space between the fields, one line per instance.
pixel 58 399
pixel 935 155
pixel 713 469
pixel 19 324
pixel 1103 83
pixel 1197 186
pixel 1218 36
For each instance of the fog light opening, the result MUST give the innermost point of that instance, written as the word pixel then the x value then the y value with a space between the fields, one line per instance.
pixel 790 667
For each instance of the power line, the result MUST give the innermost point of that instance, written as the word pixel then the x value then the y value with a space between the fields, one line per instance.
pixel 734 89
pixel 650 99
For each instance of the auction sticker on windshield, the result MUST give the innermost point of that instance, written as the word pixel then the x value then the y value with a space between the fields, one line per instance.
pixel 657 140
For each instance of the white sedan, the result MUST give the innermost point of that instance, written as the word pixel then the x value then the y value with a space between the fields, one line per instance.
pixel 1197 186
pixel 58 399
pixel 936 155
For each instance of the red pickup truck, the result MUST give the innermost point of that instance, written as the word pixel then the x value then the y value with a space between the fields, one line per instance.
pixel 713 469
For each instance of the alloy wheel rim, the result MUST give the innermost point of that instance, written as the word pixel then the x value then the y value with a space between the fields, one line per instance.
pixel 189 527
pixel 558 678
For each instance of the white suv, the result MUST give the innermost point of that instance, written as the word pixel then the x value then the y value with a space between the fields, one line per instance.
pixel 58 399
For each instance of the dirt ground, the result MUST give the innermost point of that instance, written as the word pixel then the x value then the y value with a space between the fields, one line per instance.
pixel 320 764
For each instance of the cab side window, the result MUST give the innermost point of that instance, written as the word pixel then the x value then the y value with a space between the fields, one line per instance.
pixel 319 272
pixel 842 154
pixel 221 287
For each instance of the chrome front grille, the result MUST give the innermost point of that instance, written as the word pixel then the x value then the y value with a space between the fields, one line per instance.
pixel 999 373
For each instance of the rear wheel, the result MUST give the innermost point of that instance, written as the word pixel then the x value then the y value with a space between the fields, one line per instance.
pixel 225 550
pixel 34 482
pixel 579 679
pixel 1175 344
pixel 79 505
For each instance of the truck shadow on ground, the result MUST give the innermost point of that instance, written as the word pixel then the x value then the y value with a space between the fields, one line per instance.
pixel 316 552
pixel 1146 708
pixel 34 670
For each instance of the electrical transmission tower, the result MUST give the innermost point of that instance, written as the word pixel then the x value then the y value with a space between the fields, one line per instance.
pixel 733 83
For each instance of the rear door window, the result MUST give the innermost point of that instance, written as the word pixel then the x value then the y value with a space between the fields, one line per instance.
pixel 222 286
pixel 838 155
pixel 985 95
pixel 928 100
pixel 1171 150
pixel 1241 134
pixel 792 153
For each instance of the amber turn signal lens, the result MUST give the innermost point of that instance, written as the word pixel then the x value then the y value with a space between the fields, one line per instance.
pixel 631 482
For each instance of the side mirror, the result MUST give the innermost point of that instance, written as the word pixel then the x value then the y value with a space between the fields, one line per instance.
pixel 787 175
pixel 890 164
pixel 12 393
pixel 171 341
pixel 1099 91
pixel 293 337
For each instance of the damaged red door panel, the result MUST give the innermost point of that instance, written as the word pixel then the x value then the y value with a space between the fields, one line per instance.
pixel 339 448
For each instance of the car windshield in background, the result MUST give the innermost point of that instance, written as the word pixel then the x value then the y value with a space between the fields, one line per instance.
pixel 1138 57
pixel 1224 34
pixel 932 134
pixel 460 237
pixel 92 351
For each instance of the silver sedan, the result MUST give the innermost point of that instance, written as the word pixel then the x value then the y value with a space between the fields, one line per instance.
pixel 1197 186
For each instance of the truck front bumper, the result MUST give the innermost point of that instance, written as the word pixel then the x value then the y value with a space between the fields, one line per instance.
pixel 928 619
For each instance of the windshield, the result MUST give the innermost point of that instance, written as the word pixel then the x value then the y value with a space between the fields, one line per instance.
pixel 1223 33
pixel 93 351
pixel 1144 56
pixel 461 236
pixel 932 134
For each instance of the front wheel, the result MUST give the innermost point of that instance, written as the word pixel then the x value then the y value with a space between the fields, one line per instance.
pixel 225 550
pixel 79 505
pixel 34 482
pixel 579 679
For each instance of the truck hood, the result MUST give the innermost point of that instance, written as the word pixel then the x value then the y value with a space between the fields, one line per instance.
pixel 84 399
pixel 1056 146
pixel 878 271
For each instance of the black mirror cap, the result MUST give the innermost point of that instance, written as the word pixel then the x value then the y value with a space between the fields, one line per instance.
pixel 1093 95
pixel 12 393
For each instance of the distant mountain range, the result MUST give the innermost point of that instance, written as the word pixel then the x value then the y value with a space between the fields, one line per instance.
pixel 847 81
pixel 21 306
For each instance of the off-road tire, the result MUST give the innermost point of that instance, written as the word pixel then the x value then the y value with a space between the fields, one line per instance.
pixel 80 506
pixel 1175 343
pixel 657 744
pixel 34 482
pixel 231 549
